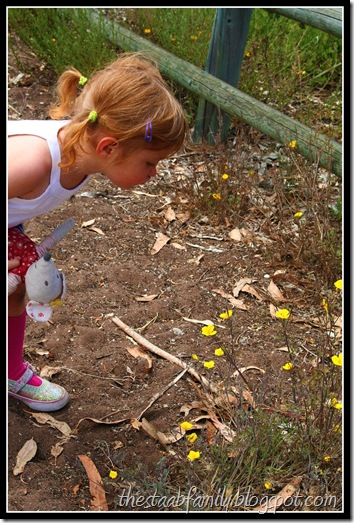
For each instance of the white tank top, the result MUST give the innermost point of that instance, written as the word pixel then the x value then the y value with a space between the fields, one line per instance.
pixel 20 209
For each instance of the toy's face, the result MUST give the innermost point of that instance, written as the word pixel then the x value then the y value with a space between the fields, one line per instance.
pixel 44 283
pixel 45 286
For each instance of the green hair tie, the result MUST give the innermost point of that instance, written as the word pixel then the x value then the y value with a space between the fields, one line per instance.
pixel 93 116
pixel 82 81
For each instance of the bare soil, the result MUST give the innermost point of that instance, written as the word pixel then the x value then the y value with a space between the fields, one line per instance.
pixel 112 272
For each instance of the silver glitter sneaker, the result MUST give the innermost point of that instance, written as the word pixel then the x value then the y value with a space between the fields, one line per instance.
pixel 47 397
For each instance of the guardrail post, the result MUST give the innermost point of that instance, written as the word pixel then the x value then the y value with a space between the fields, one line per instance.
pixel 226 52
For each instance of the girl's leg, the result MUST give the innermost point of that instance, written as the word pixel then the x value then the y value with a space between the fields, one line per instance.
pixel 23 384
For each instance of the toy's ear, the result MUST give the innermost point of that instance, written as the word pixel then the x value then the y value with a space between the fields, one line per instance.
pixel 39 311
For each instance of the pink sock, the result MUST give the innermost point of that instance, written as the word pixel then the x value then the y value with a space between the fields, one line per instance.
pixel 16 336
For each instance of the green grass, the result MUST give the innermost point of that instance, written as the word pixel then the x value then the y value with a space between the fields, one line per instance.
pixel 291 66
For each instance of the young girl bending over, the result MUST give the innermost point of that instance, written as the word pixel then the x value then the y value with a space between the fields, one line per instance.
pixel 120 124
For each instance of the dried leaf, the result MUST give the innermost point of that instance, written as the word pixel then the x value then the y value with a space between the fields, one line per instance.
pixel 170 214
pixel 48 372
pixel 226 431
pixel 178 246
pixel 272 310
pixel 43 418
pixel 251 290
pixel 202 322
pixel 87 224
pixel 211 432
pixel 161 241
pixel 239 286
pixel 27 452
pixel 235 234
pixel 96 229
pixel 146 298
pixel 98 501
pixel 244 369
pixel 275 292
pixel 236 303
pixel 138 353
pixel 57 449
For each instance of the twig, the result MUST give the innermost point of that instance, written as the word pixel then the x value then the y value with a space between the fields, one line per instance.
pixel 163 354
pixel 159 394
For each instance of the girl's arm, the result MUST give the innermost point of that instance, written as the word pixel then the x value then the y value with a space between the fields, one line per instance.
pixel 29 166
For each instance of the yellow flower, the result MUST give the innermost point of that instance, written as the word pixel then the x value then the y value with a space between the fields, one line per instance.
pixel 173 39
pixel 193 455
pixel 288 366
pixel 193 37
pixel 185 425
pixel 268 485
pixel 191 437
pixel 247 53
pixel 337 360
pixel 113 474
pixel 219 352
pixel 54 40
pixel 337 428
pixel 327 458
pixel 292 144
pixel 147 31
pixel 225 315
pixel 225 176
pixel 298 214
pixel 216 196
pixel 325 305
pixel 209 364
pixel 195 357
pixel 338 284
pixel 283 314
pixel 252 172
pixel 335 403
pixel 209 330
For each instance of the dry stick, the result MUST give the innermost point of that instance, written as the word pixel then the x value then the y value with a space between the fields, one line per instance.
pixel 161 393
pixel 163 354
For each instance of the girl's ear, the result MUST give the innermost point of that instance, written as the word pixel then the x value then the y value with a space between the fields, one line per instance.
pixel 106 146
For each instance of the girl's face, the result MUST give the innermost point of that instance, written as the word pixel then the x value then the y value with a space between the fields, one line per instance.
pixel 135 169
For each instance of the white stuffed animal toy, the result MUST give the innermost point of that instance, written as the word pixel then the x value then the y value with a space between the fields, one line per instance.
pixel 45 285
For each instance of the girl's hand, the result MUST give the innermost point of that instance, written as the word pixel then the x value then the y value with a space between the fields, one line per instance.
pixel 12 264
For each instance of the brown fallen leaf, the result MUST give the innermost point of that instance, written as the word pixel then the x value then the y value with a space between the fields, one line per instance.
pixel 27 452
pixel 251 290
pixel 88 223
pixel 98 500
pixel 138 353
pixel 236 303
pixel 235 234
pixel 48 372
pixel 178 246
pixel 240 285
pixel 96 229
pixel 160 242
pixel 170 214
pixel 43 418
pixel 146 298
pixel 275 292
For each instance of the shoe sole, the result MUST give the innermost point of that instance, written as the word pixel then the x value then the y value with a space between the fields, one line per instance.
pixel 43 406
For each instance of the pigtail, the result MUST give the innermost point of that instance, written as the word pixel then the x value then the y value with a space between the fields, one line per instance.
pixel 67 90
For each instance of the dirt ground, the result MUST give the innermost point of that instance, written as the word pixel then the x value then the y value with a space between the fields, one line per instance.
pixel 113 272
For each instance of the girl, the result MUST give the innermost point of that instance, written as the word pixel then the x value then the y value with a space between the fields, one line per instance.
pixel 122 123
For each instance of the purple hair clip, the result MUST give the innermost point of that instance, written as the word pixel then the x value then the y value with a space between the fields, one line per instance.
pixel 148 131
